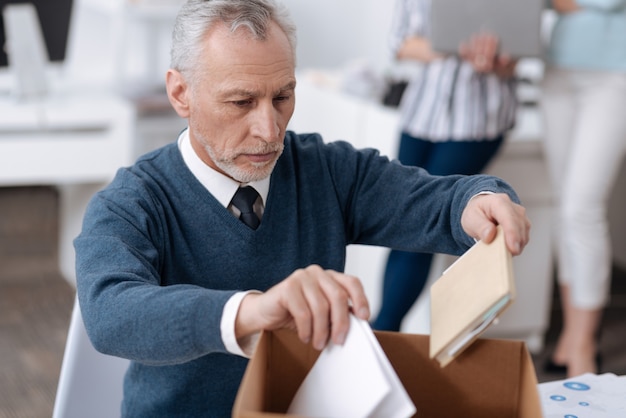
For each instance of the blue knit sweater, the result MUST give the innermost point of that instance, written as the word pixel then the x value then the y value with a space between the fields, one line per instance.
pixel 158 256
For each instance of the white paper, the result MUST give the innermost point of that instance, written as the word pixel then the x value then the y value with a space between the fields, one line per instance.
pixel 585 396
pixel 355 380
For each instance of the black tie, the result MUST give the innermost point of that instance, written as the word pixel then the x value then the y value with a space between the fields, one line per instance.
pixel 244 200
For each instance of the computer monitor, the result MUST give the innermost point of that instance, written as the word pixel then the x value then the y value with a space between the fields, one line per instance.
pixel 54 19
pixel 34 35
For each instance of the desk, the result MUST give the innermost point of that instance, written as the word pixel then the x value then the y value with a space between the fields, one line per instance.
pixel 73 141
pixel 337 115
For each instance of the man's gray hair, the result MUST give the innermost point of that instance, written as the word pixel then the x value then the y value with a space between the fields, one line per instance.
pixel 196 17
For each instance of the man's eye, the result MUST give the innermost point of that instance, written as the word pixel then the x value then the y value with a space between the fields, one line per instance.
pixel 282 98
pixel 242 103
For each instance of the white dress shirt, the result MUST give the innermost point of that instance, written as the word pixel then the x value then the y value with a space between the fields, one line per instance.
pixel 223 188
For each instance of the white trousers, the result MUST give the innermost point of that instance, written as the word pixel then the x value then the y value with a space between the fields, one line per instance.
pixel 585 140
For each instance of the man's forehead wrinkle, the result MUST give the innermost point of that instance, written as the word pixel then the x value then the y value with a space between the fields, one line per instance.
pixel 253 81
pixel 249 68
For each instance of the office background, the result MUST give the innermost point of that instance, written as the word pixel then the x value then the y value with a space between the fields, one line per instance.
pixel 120 47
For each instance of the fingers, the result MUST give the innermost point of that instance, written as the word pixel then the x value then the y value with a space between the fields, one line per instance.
pixel 487 232
pixel 485 48
pixel 345 294
pixel 517 232
pixel 319 303
pixel 483 213
pixel 354 287
pixel 481 50
pixel 504 60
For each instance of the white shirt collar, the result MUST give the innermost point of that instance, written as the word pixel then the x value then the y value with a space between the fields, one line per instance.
pixel 222 187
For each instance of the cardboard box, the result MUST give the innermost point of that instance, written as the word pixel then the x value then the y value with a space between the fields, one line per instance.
pixel 491 378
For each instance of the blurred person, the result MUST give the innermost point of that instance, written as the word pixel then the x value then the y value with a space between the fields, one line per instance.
pixel 584 105
pixel 454 116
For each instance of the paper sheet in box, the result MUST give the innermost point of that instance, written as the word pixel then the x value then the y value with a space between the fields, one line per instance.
pixel 493 378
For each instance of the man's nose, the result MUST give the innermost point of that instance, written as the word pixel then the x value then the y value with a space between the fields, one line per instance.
pixel 265 123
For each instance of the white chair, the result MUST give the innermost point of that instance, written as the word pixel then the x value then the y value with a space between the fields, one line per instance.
pixel 90 383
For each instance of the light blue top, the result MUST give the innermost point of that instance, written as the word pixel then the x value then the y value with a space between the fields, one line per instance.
pixel 593 38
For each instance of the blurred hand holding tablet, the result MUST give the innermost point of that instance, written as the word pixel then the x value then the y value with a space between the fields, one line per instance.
pixel 516 23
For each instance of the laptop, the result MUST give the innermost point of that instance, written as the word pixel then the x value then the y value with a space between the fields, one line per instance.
pixel 517 23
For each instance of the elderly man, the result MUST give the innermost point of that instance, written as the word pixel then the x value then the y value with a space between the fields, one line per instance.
pixel 240 226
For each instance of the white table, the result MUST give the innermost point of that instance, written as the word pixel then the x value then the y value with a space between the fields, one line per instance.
pixel 74 141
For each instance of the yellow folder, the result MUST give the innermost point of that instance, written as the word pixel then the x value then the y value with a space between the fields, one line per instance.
pixel 469 296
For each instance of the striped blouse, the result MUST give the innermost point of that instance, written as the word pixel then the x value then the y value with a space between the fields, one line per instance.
pixel 447 99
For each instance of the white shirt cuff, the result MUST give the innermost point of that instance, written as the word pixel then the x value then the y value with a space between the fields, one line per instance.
pixel 482 193
pixel 245 346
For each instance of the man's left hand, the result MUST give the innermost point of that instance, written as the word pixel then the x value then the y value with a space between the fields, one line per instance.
pixel 486 211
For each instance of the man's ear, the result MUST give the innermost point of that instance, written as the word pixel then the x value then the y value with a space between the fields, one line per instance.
pixel 178 91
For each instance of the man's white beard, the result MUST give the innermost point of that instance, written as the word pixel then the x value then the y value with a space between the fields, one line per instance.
pixel 262 171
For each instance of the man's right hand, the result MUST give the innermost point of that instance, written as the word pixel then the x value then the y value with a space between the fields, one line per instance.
pixel 313 301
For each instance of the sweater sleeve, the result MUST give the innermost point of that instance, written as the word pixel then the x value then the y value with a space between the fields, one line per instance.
pixel 404 207
pixel 126 311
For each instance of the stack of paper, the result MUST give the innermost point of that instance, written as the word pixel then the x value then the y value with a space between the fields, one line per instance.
pixel 353 380
pixel 588 395
pixel 469 296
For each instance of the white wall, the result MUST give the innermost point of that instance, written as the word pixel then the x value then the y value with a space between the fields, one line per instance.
pixel 332 32
pixel 110 46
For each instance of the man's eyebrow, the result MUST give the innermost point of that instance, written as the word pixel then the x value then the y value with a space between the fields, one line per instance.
pixel 286 88
pixel 290 86
pixel 240 92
